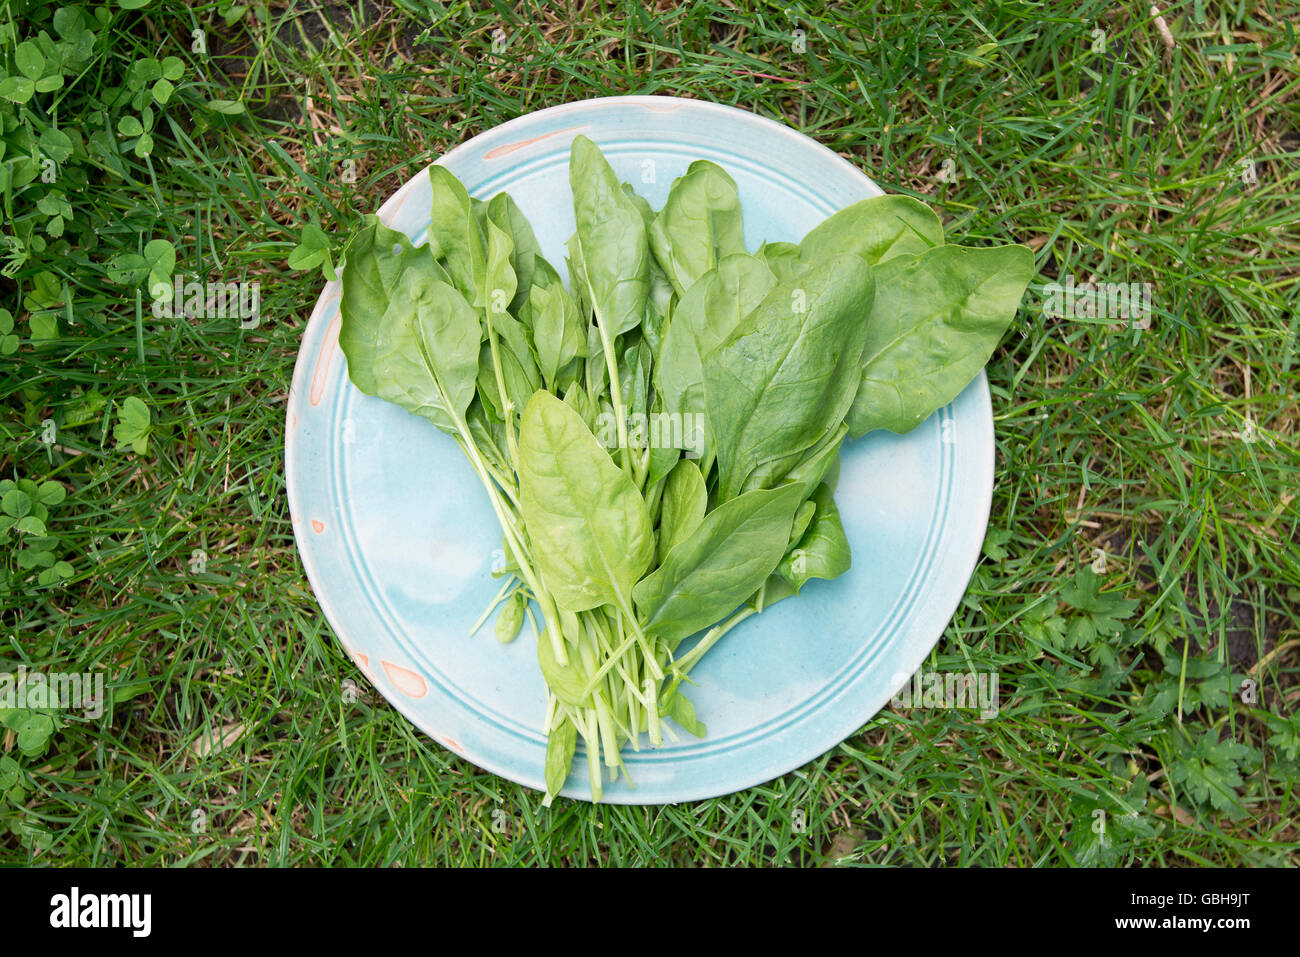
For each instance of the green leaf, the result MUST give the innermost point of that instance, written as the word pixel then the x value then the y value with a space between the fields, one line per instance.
pixel 1105 613
pixel 788 372
pixel 34 733
pixel 305 257
pixel 51 493
pixel 10 774
pixel 935 322
pixel 409 337
pixel 560 746
pixel 1209 770
pixel 173 68
pixel 226 107
pixel 133 425
pixel 16 503
pixel 781 258
pixel 588 524
pixel 56 144
pixel 612 236
pixel 133 4
pixel 684 503
pixel 709 312
pixel 28 59
pixel 455 237
pixel 559 330
pixel 127 268
pixel 163 90
pixel 129 126
pixel 569 681
pixel 84 409
pixel 511 617
pixel 1042 625
pixel 311 250
pixel 726 559
pixel 17 89
pixel 877 230
pixel 680 709
pixel 160 255
pixel 699 225
pixel 525 252
pixel 500 281
pixel 823 551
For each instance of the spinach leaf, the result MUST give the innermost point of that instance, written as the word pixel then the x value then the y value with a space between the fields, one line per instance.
pixel 559 331
pixel 823 551
pixel 568 682
pixel 678 707
pixel 723 562
pixel 782 258
pixel 671 435
pixel 789 371
pixel 500 280
pixel 524 249
pixel 685 501
pixel 518 375
pixel 699 224
pixel 409 337
pixel 612 238
pixel 704 318
pixel 876 229
pixel 936 320
pixel 588 524
pixel 511 617
pixel 560 746
pixel 456 236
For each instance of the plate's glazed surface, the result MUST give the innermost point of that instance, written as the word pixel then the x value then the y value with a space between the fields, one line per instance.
pixel 398 539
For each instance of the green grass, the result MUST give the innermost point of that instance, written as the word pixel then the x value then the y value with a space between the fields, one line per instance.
pixel 1120 165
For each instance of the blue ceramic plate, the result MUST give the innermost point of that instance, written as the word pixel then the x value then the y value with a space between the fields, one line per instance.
pixel 398 539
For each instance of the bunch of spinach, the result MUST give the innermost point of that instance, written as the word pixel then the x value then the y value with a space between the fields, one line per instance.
pixel 659 438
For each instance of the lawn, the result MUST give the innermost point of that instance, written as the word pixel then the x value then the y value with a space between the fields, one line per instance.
pixel 1139 590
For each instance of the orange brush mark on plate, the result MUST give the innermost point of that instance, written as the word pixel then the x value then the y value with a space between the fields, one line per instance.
pixel 323 361
pixel 317 526
pixel 661 107
pixel 406 680
pixel 363 662
pixel 513 147
pixel 454 745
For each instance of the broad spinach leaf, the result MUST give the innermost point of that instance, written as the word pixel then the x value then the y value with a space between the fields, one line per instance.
pixel 456 236
pixel 877 230
pixel 685 500
pixel 936 320
pixel 789 371
pixel 587 522
pixel 700 224
pixel 611 234
pixel 409 337
pixel 722 563
pixel 823 550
